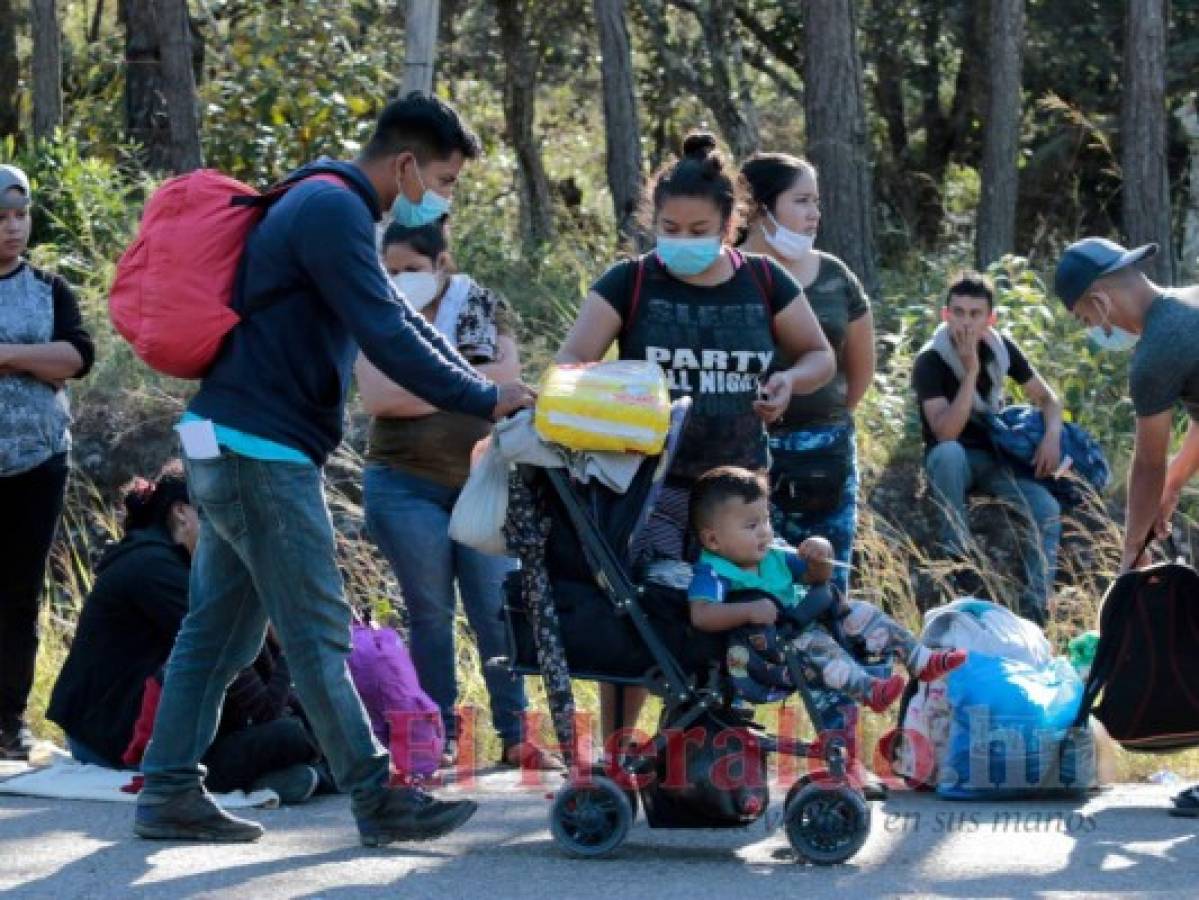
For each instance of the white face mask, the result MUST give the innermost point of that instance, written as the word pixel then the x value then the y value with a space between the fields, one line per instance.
pixel 418 288
pixel 789 244
pixel 1112 338
pixel 1117 340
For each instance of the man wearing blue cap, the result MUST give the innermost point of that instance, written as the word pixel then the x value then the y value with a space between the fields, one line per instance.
pixel 1123 310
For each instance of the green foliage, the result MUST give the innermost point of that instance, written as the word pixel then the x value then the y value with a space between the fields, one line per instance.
pixel 85 209
pixel 290 82
pixel 1092 384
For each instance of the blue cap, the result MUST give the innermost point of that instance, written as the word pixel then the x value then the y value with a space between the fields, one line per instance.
pixel 1089 259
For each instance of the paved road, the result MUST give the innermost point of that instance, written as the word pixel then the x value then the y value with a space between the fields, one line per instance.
pixel 1119 843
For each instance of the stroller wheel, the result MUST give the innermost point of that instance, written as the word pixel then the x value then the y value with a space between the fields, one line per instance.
pixel 590 819
pixel 602 771
pixel 827 825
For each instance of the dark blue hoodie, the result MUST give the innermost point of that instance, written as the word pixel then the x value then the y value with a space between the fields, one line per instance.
pixel 314 292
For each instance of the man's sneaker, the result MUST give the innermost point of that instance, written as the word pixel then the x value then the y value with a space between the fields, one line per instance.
pixel 295 784
pixel 941 663
pixel 411 814
pixel 16 740
pixel 884 692
pixel 192 816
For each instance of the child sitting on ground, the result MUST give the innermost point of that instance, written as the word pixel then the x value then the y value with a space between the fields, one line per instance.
pixel 730 514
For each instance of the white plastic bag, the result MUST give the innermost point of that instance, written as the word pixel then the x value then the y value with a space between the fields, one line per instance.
pixel 923 735
pixel 479 513
pixel 983 627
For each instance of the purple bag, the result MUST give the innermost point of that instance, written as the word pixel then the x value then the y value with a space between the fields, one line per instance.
pixel 403 717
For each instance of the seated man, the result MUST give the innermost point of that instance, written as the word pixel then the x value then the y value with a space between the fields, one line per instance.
pixel 730 514
pixel 959 377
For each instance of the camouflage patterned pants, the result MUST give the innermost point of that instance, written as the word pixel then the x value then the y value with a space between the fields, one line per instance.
pixel 827 662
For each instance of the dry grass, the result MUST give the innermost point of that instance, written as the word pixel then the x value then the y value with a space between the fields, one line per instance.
pixel 887 558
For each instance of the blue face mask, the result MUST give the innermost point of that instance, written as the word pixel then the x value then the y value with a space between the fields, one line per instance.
pixel 1118 341
pixel 688 255
pixel 432 207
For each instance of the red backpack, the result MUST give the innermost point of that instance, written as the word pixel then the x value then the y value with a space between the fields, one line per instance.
pixel 173 292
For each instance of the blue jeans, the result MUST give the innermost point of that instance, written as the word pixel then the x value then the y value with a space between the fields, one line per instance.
pixel 954 470
pixel 839 527
pixel 266 551
pixel 409 518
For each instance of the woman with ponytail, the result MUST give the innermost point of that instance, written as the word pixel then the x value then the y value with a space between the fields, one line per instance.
pixel 716 320
pixel 128 623
pixel 813 458
pixel 124 637
pixel 814 473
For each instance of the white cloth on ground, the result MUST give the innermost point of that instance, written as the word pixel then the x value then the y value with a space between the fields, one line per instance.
pixel 70 780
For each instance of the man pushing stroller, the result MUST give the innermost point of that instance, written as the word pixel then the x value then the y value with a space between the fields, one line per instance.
pixel 780 607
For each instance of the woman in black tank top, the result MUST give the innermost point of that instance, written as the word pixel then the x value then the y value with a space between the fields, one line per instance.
pixel 714 319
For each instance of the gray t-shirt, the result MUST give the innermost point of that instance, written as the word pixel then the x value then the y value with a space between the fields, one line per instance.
pixel 1165 364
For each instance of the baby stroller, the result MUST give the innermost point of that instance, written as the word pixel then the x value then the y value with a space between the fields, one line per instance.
pixel 574 610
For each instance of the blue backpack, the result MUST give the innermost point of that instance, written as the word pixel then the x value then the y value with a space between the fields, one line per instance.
pixel 1017 431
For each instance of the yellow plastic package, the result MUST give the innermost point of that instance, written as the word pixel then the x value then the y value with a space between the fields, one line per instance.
pixel 621 407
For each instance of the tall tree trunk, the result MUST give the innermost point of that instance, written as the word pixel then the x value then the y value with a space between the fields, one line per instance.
pixel 420 53
pixel 1188 117
pixel 93 30
pixel 622 131
pixel 729 96
pixel 178 86
pixel 1146 184
pixel 9 74
pixel 889 81
pixel 1001 133
pixel 145 107
pixel 713 70
pixel 520 110
pixel 945 133
pixel 47 68
pixel 836 134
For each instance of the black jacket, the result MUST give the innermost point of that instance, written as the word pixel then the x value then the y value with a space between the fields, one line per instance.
pixel 125 634
pixel 260 693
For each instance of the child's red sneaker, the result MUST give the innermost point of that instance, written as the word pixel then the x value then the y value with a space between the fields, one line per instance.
pixel 941 663
pixel 884 692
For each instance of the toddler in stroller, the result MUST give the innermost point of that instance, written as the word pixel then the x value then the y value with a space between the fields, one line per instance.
pixel 787 624
pixel 575 611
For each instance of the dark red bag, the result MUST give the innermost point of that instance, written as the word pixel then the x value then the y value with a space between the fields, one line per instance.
pixel 1147 661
